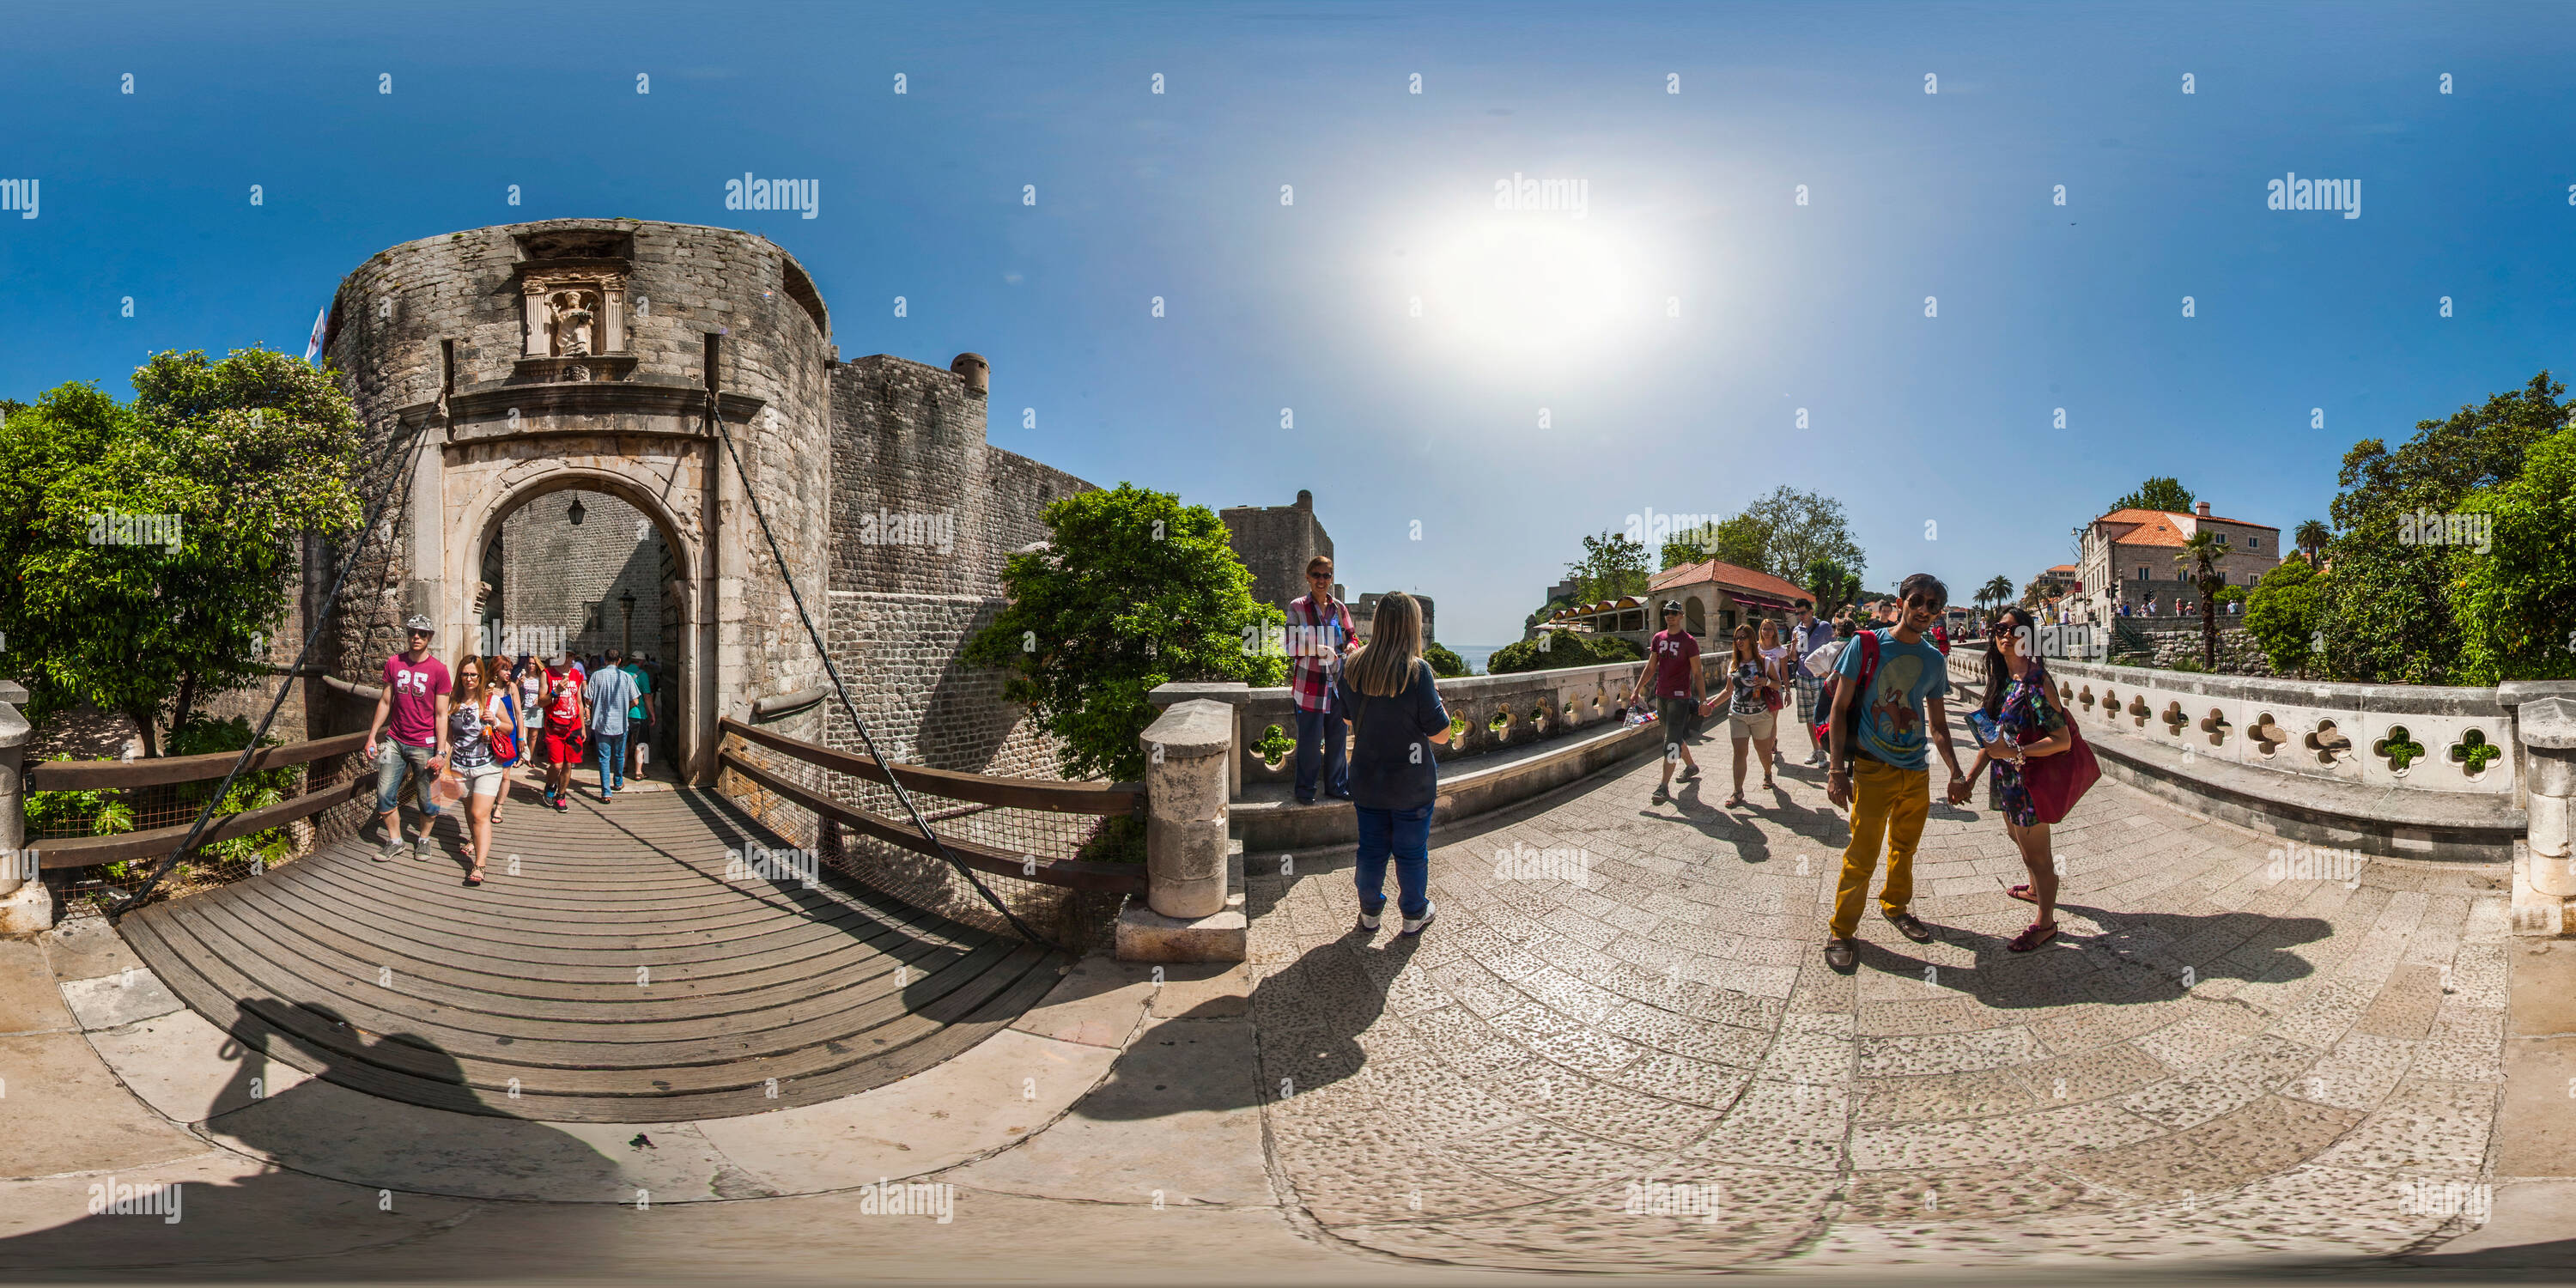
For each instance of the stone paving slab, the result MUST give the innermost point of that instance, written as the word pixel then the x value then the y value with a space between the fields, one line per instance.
pixel 2206 1058
pixel 187 1069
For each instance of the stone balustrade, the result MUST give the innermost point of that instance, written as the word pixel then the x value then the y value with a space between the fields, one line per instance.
pixel 26 906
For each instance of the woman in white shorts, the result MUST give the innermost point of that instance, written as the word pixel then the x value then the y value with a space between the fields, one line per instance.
pixel 1749 717
pixel 478 707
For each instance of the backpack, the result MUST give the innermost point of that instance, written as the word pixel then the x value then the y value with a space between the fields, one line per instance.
pixel 503 735
pixel 1867 643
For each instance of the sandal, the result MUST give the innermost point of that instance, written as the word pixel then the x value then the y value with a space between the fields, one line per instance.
pixel 2032 937
pixel 1735 801
pixel 474 878
pixel 2022 892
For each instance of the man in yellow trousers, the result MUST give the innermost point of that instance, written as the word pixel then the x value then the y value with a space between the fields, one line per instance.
pixel 1887 701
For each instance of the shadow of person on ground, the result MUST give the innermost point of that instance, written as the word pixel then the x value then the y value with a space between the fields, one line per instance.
pixel 360 1176
pixel 2133 958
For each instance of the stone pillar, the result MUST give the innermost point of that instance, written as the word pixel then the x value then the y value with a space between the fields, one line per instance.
pixel 1188 914
pixel 534 342
pixel 26 906
pixel 2547 732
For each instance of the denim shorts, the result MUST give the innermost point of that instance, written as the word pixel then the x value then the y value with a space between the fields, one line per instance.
pixel 396 761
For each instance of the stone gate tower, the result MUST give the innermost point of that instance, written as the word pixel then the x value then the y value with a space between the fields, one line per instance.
pixel 596 355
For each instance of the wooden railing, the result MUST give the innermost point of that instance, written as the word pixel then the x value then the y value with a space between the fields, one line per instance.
pixel 1108 799
pixel 96 775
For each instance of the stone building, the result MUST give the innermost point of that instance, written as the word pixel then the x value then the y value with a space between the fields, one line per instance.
pixel 1716 597
pixel 2128 556
pixel 499 369
pixel 1274 542
pixel 1364 611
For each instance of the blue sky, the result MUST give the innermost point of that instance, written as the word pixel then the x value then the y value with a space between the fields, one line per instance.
pixel 1689 205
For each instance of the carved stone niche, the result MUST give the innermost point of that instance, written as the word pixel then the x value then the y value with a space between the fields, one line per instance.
pixel 572 290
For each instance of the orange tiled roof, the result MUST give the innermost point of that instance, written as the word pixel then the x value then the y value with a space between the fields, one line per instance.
pixel 1729 576
pixel 2152 528
pixel 2144 516
pixel 2061 567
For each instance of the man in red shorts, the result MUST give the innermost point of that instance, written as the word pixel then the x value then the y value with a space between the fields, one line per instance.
pixel 565 719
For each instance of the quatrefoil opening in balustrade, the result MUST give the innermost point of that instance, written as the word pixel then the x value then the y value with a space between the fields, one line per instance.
pixel 2086 697
pixel 2328 742
pixel 2397 750
pixel 2174 719
pixel 2267 734
pixel 2473 753
pixel 2139 711
pixel 2216 726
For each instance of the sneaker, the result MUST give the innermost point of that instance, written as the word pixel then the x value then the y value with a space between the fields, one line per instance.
pixel 1370 921
pixel 559 803
pixel 1691 774
pixel 420 844
pixel 1663 794
pixel 393 845
pixel 1414 925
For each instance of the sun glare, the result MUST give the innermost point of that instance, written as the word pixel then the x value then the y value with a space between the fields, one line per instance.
pixel 1527 286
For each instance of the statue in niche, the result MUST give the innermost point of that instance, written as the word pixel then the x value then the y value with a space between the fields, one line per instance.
pixel 574 312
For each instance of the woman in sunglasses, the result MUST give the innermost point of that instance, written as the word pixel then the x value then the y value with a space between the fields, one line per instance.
pixel 2019 720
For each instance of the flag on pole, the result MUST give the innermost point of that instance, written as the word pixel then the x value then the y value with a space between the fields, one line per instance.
pixel 314 345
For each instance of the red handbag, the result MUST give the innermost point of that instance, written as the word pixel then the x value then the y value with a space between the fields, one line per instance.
pixel 2056 782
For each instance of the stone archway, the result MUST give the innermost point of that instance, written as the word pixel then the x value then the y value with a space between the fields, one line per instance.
pixel 489 491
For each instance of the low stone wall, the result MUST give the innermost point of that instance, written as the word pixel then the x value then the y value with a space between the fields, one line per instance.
pixel 2309 760
pixel 2171 640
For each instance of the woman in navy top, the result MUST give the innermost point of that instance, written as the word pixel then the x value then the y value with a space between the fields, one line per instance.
pixel 1396 719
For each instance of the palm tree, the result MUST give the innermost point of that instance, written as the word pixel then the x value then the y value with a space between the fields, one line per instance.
pixel 1997 591
pixel 2312 537
pixel 2200 552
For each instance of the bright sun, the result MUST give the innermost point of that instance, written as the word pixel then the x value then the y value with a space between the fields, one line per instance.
pixel 1527 286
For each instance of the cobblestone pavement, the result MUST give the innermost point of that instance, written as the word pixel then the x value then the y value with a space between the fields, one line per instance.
pixel 2209 1062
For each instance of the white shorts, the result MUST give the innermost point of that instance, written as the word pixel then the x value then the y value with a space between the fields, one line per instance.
pixel 487 780
pixel 1757 727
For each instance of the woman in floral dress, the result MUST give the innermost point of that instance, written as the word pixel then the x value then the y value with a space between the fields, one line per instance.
pixel 2026 714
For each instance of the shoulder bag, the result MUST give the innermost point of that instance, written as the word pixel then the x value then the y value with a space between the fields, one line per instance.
pixel 2056 782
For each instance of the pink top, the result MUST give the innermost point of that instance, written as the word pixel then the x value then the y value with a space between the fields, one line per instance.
pixel 416 687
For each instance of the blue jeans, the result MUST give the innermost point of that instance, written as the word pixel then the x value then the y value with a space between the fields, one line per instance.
pixel 1320 733
pixel 400 760
pixel 1405 833
pixel 612 760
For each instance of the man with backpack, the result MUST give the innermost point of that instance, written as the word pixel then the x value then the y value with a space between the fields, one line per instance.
pixel 1889 697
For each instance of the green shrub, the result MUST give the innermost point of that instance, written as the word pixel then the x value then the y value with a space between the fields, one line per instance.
pixel 1444 663
pixel 2516 602
pixel 2284 612
pixel 254 789
pixel 1557 650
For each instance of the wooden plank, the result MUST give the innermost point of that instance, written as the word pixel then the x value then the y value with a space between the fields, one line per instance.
pixel 1019 793
pixel 87 851
pixel 1076 874
pixel 84 775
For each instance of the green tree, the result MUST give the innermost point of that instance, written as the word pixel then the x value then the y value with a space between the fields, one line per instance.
pixel 2311 538
pixel 1135 590
pixel 2389 602
pixel 2284 613
pixel 2516 601
pixel 1998 590
pixel 1831 585
pixel 1556 650
pixel 1612 567
pixel 1445 662
pixel 2199 556
pixel 227 464
pixel 2164 494
pixel 1799 528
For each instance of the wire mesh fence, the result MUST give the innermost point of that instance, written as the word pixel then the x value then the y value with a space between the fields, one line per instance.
pixel 1076 920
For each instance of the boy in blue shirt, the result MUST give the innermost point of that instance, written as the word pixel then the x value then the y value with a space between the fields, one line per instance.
pixel 1878 762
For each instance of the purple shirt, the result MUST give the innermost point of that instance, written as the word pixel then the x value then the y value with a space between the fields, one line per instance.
pixel 416 687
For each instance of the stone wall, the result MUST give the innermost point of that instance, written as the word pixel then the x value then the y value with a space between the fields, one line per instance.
pixel 2179 640
pixel 1275 542
pixel 559 575
pixel 925 514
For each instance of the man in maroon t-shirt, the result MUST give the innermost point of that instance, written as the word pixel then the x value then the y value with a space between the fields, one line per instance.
pixel 415 695
pixel 1672 666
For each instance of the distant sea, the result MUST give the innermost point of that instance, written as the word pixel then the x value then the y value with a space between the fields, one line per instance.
pixel 1474 655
